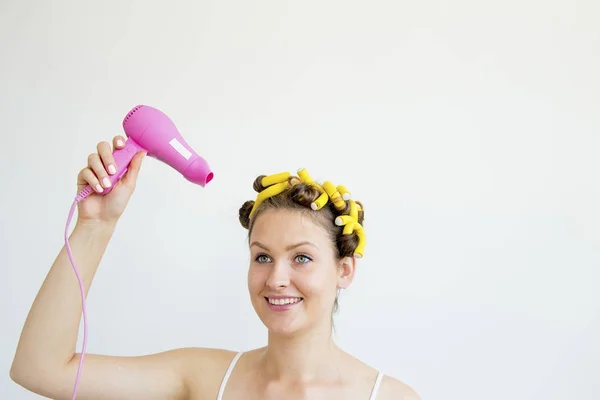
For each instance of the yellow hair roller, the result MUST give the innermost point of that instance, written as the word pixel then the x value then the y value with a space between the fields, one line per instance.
pixel 347 222
pixel 305 177
pixel 268 192
pixel 351 225
pixel 353 210
pixel 322 199
pixel 344 192
pixel 334 195
pixel 275 178
pixel 319 202
pixel 360 232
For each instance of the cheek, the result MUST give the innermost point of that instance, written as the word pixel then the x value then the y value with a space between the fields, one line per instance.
pixel 316 284
pixel 256 279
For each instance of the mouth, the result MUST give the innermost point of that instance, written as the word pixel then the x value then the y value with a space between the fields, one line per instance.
pixel 283 304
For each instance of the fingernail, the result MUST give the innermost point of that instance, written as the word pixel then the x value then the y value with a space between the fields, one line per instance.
pixel 99 188
pixel 112 169
pixel 106 182
pixel 119 142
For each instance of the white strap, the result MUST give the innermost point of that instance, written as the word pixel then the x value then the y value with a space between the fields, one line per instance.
pixel 238 355
pixel 376 386
pixel 227 374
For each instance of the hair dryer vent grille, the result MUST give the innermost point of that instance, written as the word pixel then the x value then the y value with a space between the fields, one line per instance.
pixel 131 113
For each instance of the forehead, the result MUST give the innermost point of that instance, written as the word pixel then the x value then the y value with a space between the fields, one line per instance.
pixel 283 227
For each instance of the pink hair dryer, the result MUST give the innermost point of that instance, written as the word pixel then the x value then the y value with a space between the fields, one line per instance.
pixel 150 130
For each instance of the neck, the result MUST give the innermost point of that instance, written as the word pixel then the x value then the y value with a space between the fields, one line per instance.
pixel 302 357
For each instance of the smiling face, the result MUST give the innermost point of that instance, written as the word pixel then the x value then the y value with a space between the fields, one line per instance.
pixel 294 273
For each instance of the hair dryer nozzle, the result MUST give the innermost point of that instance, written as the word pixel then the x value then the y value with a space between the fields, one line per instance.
pixel 199 172
pixel 152 130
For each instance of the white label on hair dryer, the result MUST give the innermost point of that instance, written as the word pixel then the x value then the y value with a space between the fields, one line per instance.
pixel 176 144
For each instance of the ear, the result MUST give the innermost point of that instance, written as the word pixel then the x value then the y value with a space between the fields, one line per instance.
pixel 346 271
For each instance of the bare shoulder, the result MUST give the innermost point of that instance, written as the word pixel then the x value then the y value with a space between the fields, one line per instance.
pixel 203 369
pixel 203 359
pixel 392 388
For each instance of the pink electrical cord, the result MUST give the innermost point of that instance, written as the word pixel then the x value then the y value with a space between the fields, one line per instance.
pixel 82 195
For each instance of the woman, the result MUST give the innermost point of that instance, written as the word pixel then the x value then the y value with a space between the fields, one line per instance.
pixel 303 241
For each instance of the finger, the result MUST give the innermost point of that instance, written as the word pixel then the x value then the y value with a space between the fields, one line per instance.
pixel 96 165
pixel 134 168
pixel 118 142
pixel 107 158
pixel 87 177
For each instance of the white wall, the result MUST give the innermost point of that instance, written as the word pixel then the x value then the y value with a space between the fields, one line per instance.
pixel 468 129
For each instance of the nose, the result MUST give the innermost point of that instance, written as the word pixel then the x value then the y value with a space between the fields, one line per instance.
pixel 279 276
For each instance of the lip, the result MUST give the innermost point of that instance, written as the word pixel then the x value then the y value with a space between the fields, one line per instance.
pixel 282 307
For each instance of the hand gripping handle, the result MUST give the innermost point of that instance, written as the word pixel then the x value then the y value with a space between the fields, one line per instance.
pixel 122 158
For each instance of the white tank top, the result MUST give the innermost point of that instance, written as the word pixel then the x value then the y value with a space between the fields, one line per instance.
pixel 238 355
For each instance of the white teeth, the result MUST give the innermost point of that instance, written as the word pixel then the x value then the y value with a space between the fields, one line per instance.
pixel 281 302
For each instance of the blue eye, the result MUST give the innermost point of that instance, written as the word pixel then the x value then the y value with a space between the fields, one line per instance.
pixel 303 259
pixel 261 258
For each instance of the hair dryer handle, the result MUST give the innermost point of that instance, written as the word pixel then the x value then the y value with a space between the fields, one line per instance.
pixel 122 158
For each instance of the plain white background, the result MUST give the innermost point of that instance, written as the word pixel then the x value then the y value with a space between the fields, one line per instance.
pixel 468 129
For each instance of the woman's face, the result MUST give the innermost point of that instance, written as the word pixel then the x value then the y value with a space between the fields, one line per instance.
pixel 293 275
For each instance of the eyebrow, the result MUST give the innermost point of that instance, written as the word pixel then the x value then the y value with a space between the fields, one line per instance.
pixel 288 248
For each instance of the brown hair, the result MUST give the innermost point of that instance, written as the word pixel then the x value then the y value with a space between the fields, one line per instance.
pixel 299 197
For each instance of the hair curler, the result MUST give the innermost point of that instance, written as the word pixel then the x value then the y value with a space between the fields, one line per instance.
pixel 150 130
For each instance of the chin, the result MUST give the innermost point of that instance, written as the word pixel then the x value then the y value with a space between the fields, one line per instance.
pixel 282 330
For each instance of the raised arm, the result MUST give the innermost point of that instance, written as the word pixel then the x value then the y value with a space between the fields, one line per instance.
pixel 45 361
